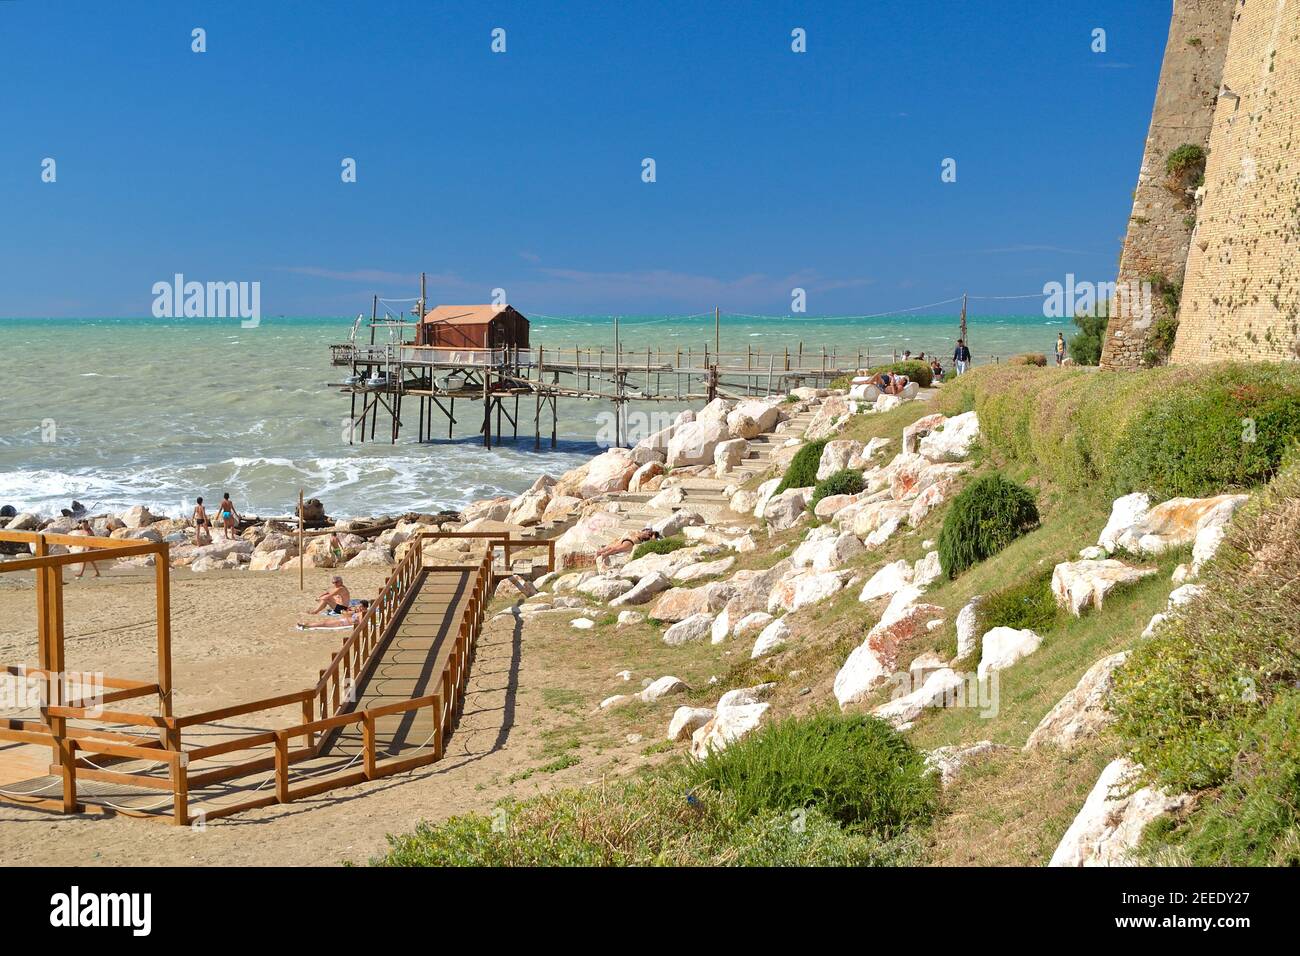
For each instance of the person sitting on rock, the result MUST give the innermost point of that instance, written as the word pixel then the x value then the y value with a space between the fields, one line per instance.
pixel 335 600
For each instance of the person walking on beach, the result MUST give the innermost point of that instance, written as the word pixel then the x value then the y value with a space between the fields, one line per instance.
pixel 1060 349
pixel 84 529
pixel 228 516
pixel 961 357
pixel 202 525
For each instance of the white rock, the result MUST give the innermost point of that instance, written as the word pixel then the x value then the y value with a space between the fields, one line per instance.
pixel 1093 553
pixel 1081 714
pixel 728 454
pixel 614 701
pixel 1078 585
pixel 687 720
pixel 836 456
pixel 1185 595
pixel 883 533
pixel 662 688
pixel 1125 512
pixel 1110 824
pixel 751 623
pixel 742 696
pixel 771 639
pixel 704 569
pixel 951 440
pixel 825 550
pixel 927 570
pixel 887 581
pixel 1003 646
pixel 939 689
pixel 670 525
pixel 1153 625
pixel 647 587
pixel 693 443
pixel 728 725
pixel 628 618
pixel 805 588
pixel 604 588
pixel 693 628
pixel 967 636
pixel 582 623
pixel 787 509
pixel 950 760
pixel 721 627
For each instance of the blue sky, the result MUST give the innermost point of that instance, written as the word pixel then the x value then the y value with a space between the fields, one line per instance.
pixel 522 170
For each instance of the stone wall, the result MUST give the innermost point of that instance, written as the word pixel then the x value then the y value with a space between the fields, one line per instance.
pixel 1241 297
pixel 1159 229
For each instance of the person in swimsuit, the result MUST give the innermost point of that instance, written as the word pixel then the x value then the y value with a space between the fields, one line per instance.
pixel 228 516
pixel 84 529
pixel 350 617
pixel 335 600
pixel 202 525
pixel 626 544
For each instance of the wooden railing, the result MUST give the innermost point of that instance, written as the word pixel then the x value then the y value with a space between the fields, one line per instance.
pixel 333 695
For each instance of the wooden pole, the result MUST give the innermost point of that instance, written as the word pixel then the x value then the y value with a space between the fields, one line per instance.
pixel 963 320
pixel 301 579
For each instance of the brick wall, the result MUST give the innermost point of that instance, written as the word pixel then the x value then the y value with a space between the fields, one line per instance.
pixel 1241 296
pixel 1158 235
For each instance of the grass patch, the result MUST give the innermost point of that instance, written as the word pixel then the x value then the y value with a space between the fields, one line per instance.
pixel 659 546
pixel 1026 604
pixel 845 482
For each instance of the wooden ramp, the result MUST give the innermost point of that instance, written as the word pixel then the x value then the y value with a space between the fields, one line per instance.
pixel 411 665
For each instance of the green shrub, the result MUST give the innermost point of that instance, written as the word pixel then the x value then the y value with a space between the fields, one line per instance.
pixel 1186 159
pixel 917 371
pixel 844 482
pixel 802 470
pixel 1230 431
pixel 988 515
pixel 1085 345
pixel 1025 604
pixel 657 821
pixel 1078 427
pixel 854 768
pixel 659 546
pixel 1186 699
pixel 1254 820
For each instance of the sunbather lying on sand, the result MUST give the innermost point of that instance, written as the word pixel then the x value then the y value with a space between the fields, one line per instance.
pixel 340 622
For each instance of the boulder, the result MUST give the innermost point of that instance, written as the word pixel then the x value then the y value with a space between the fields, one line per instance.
pixel 825 549
pixel 751 588
pixel 864 392
pixel 728 725
pixel 938 689
pixel 605 588
pixel 1178 522
pixel 773 637
pixel 529 507
pixel 871 663
pixel 952 439
pixel 647 587
pixel 493 509
pixel 927 570
pixel 743 696
pixel 703 569
pixel 695 442
pixel 949 761
pixel 883 533
pixel 687 720
pixel 661 688
pixel 641 478
pixel 887 403
pixel 1109 826
pixel 887 582
pixel 26 521
pixel 764 493
pixel 873 515
pixel 372 557
pixel 763 414
pixel 1211 529
pixel 671 524
pixel 742 502
pixel 269 560
pixel 787 509
pixel 608 472
pixel 694 628
pixel 805 588
pixel 828 419
pixel 137 517
pixel 582 623
pixel 590 533
pixel 1081 584
pixel 967 635
pixel 1003 646
pixel 913 433
pixel 1125 513
pixel 1081 714
pixel 837 456
pixel 930 498
pixel 721 627
pixel 828 507
pixel 728 454
pixel 749 624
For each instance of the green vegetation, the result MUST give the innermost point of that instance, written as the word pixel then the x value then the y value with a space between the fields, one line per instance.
pixel 659 546
pixel 844 482
pixel 1085 345
pixel 1188 698
pixel 802 471
pixel 1185 161
pixel 855 768
pixel 1177 430
pixel 918 372
pixel 989 514
pixel 824 791
pixel 1028 603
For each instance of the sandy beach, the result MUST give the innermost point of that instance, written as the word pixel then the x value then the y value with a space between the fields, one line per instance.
pixel 234 640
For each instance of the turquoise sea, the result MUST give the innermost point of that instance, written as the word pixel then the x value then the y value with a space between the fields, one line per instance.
pixel 118 412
